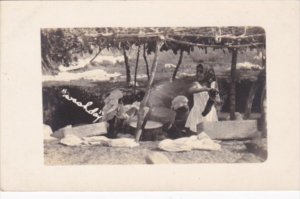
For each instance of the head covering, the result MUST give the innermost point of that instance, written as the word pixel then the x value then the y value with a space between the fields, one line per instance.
pixel 179 101
pixel 116 94
pixel 208 73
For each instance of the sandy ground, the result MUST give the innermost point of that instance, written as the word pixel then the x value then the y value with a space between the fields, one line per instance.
pixel 58 154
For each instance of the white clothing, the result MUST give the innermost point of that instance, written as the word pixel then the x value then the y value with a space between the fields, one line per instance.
pixel 195 117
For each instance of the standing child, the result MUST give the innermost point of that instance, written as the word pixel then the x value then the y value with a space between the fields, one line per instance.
pixel 205 79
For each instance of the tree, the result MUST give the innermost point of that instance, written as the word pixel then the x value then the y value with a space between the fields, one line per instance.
pixel 60 46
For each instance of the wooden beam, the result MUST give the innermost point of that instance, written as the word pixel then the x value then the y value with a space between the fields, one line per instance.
pixel 147 35
pixel 141 111
pixel 233 84
pixel 254 44
pixel 221 36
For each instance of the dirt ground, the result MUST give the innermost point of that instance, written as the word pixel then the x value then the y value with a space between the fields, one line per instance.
pixel 58 154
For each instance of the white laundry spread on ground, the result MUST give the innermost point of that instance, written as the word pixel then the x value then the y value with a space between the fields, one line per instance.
pixel 200 142
pixel 72 140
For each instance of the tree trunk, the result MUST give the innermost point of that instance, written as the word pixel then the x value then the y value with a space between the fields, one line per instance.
pixel 250 98
pixel 263 111
pixel 128 78
pixel 252 92
pixel 136 67
pixel 263 105
pixel 95 55
pixel 146 62
pixel 178 64
pixel 141 111
pixel 47 66
pixel 233 84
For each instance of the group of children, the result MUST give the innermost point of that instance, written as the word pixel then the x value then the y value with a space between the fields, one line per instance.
pixel 205 95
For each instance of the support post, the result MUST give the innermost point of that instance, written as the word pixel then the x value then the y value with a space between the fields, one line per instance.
pixel 250 99
pixel 233 84
pixel 141 111
pixel 146 62
pixel 178 64
pixel 252 92
pixel 136 67
pixel 128 78
pixel 263 111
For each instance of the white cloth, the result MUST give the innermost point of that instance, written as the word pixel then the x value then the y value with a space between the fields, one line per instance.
pixel 73 140
pixel 195 117
pixel 200 142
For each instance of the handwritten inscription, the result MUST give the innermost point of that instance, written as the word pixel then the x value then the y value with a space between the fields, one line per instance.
pixel 96 112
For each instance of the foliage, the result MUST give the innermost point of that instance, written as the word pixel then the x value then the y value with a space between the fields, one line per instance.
pixel 63 46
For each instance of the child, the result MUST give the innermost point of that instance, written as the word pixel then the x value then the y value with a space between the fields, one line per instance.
pixel 180 106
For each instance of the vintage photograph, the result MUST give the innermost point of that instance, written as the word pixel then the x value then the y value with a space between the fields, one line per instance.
pixel 154 95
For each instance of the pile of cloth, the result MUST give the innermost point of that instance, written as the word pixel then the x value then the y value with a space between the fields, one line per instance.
pixel 194 142
pixel 92 134
pixel 72 140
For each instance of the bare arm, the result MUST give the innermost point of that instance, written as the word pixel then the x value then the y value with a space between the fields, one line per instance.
pixel 195 89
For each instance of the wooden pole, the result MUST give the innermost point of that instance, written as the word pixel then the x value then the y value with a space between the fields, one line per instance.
pixel 263 111
pixel 141 111
pixel 128 78
pixel 99 51
pixel 178 64
pixel 252 92
pixel 136 67
pixel 250 99
pixel 233 83
pixel 146 62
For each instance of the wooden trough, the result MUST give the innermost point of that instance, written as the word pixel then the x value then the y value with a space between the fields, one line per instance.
pixel 229 130
pixel 82 130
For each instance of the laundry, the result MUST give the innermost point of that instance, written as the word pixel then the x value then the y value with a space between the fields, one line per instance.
pixel 73 140
pixel 48 133
pixel 199 142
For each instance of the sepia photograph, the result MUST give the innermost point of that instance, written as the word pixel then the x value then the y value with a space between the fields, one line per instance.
pixel 149 96
pixel 154 95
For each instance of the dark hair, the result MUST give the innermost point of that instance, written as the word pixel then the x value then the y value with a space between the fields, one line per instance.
pixel 139 96
pixel 209 73
pixel 200 67
pixel 121 100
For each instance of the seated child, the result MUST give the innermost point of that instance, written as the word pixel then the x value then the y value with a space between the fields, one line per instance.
pixel 180 106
